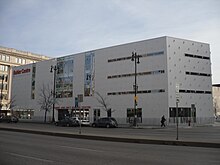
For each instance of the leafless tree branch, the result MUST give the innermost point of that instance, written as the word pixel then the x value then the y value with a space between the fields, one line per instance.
pixel 104 104
pixel 46 99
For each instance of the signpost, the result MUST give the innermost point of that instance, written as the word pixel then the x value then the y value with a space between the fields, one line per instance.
pixel 78 100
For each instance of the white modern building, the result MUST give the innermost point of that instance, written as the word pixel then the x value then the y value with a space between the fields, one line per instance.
pixel 170 70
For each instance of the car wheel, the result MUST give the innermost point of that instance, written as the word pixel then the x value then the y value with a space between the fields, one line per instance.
pixel 67 124
pixel 107 125
pixel 93 125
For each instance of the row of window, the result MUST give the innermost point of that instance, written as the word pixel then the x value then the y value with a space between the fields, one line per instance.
pixel 138 74
pixel 4 86
pixel 5 57
pixel 182 112
pixel 139 92
pixel 195 91
pixel 3 68
pixel 20 60
pixel 158 91
pixel 3 77
pixel 17 60
pixel 142 55
pixel 197 56
pixel 154 73
pixel 4 96
pixel 198 74
pixel 155 54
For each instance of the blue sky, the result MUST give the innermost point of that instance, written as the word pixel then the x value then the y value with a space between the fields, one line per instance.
pixel 60 27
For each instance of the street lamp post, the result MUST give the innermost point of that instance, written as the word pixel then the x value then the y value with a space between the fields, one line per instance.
pixel 177 111
pixel 2 78
pixel 136 60
pixel 54 69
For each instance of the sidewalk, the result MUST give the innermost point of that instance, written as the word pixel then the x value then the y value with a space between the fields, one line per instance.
pixel 194 137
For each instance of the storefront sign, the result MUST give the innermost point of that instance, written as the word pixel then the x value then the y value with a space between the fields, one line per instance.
pixel 21 71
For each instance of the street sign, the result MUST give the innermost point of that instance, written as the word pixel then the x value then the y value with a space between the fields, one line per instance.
pixel 136 98
pixel 177 88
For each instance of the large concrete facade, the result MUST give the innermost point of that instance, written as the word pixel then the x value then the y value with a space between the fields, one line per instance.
pixel 165 63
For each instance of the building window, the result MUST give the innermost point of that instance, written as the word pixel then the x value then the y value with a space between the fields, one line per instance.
pixel 197 56
pixel 4 96
pixel 64 77
pixel 131 114
pixel 89 74
pixel 198 74
pixel 139 92
pixel 139 74
pixel 155 53
pixel 194 91
pixel 20 61
pixel 3 68
pixel 7 58
pixel 3 57
pixel 5 87
pixel 184 113
pixel 141 56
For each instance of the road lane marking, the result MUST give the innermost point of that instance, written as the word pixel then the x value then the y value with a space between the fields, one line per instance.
pixel 29 157
pixel 78 148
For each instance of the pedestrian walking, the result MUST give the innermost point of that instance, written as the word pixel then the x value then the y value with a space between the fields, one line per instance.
pixel 163 121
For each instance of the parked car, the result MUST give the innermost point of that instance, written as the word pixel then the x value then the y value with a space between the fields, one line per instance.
pixel 105 122
pixel 67 121
pixel 9 119
pixel 83 122
pixel 76 119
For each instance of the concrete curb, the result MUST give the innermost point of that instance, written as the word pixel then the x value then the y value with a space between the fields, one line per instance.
pixel 118 139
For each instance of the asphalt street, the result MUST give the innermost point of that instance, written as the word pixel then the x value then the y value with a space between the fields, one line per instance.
pixel 25 149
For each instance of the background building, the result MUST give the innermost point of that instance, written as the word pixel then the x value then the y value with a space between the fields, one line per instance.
pixel 83 80
pixel 216 99
pixel 9 58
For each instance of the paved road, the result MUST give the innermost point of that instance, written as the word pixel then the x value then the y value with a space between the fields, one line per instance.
pixel 24 149
pixel 198 134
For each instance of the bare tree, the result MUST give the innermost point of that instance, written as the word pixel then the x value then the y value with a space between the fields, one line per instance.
pixel 215 106
pixel 46 100
pixel 11 104
pixel 104 104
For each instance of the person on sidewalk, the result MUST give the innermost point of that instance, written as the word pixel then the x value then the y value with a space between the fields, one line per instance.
pixel 163 121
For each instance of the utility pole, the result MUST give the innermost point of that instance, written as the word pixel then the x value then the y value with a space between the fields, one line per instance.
pixel 177 112
pixel 136 60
